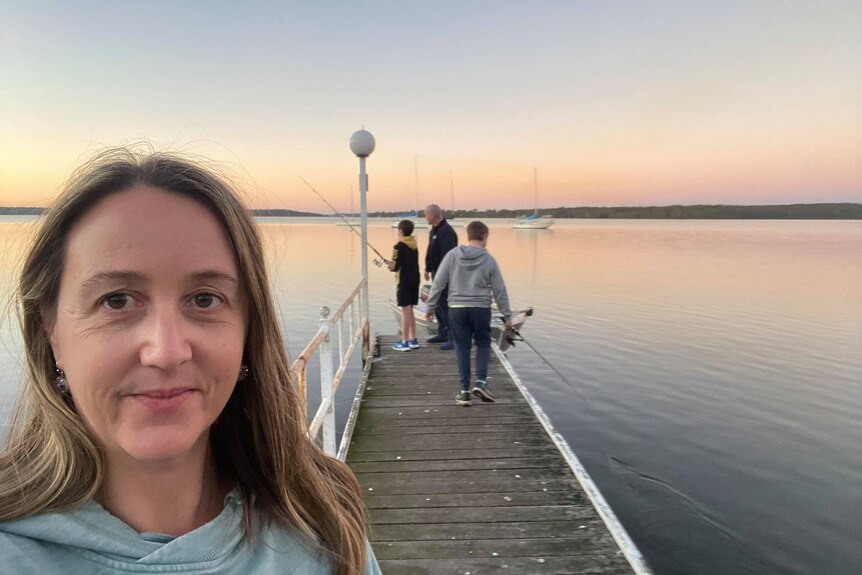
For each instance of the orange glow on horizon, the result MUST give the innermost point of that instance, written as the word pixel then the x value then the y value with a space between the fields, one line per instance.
pixel 488 184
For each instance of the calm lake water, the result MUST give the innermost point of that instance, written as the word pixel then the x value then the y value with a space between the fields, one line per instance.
pixel 714 370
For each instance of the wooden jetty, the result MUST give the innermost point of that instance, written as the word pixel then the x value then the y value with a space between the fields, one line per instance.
pixel 489 488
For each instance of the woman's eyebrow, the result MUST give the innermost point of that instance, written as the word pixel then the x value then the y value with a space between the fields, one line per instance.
pixel 214 275
pixel 111 276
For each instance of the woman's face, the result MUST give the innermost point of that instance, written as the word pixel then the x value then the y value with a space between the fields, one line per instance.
pixel 150 323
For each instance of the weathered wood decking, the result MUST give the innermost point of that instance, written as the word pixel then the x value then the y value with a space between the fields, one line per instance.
pixel 479 489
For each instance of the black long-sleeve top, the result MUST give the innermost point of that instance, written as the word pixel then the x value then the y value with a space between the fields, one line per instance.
pixel 441 239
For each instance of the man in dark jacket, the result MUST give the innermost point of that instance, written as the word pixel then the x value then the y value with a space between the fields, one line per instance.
pixel 441 239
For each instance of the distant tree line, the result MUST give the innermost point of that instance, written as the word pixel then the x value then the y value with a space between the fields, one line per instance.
pixel 845 211
pixel 283 213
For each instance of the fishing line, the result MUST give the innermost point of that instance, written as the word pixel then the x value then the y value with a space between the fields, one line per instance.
pixel 549 364
pixel 340 215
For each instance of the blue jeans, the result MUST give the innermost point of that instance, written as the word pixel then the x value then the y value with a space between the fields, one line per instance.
pixel 466 324
pixel 442 313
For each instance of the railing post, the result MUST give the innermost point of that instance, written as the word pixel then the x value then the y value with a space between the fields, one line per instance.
pixel 302 383
pixel 326 376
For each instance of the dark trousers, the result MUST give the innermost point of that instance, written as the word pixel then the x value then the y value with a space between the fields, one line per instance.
pixel 442 313
pixel 467 324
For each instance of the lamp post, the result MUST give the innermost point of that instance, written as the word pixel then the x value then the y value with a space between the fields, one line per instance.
pixel 362 144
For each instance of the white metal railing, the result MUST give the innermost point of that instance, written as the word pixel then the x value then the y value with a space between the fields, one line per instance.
pixel 354 313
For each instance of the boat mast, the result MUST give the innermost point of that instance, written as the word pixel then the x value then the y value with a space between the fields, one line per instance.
pixel 416 183
pixel 452 191
pixel 535 191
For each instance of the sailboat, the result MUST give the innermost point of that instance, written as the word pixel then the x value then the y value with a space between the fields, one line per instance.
pixel 418 223
pixel 534 221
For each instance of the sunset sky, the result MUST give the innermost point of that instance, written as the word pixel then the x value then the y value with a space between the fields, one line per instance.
pixel 614 102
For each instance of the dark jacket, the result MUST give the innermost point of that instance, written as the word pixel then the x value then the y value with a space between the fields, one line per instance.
pixel 405 262
pixel 441 239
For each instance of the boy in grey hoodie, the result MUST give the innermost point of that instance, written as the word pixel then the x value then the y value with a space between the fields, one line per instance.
pixel 473 278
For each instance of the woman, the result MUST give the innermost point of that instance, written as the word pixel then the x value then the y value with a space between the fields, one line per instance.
pixel 160 431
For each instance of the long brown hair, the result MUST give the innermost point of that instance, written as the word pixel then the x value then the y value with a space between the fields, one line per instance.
pixel 53 463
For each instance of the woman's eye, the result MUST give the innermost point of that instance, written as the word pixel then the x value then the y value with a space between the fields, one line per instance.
pixel 117 301
pixel 206 300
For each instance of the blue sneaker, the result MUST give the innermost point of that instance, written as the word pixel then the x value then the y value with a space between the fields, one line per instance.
pixel 481 391
pixel 413 343
pixel 448 345
pixel 463 398
pixel 401 346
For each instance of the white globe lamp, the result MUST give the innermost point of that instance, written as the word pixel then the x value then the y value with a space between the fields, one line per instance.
pixel 362 143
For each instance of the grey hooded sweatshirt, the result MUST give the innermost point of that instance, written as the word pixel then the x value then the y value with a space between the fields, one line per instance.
pixel 473 278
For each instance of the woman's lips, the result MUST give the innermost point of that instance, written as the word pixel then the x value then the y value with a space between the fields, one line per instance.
pixel 163 399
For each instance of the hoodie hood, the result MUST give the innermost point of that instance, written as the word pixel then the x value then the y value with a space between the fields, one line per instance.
pixel 410 242
pixel 471 257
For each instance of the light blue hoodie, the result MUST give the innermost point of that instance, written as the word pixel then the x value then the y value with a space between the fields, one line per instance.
pixel 90 540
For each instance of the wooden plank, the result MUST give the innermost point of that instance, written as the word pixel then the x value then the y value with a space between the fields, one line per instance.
pixel 410 380
pixel 400 465
pixel 503 485
pixel 444 455
pixel 464 548
pixel 446 442
pixel 425 405
pixel 461 447
pixel 435 420
pixel 462 476
pixel 513 407
pixel 509 498
pixel 563 565
pixel 482 514
pixel 465 428
pixel 400 417
pixel 463 531
pixel 430 364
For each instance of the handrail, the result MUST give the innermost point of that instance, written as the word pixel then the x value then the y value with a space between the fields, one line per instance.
pixel 330 380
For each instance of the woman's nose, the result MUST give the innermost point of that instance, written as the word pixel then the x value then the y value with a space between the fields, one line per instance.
pixel 166 342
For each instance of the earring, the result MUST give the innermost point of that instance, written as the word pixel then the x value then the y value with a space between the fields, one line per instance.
pixel 60 382
pixel 243 372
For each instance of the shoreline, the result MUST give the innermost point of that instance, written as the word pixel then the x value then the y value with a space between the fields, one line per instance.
pixel 818 211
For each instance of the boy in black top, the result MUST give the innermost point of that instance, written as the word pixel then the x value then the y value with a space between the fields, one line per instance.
pixel 405 264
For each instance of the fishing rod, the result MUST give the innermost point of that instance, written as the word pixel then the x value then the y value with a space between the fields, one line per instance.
pixel 520 337
pixel 351 226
